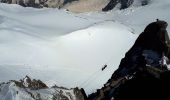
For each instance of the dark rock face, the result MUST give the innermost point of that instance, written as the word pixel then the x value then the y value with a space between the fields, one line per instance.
pixel 142 73
pixel 69 1
pixel 124 4
pixel 143 87
pixel 149 48
pixel 79 93
pixel 113 3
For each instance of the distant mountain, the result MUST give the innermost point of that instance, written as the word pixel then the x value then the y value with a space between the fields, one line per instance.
pixel 36 3
pixel 77 5
pixel 32 89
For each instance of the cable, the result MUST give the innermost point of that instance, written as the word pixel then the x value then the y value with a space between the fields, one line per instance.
pixel 95 74
pixel 89 79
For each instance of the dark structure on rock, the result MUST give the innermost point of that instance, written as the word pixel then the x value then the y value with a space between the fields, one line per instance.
pixel 143 72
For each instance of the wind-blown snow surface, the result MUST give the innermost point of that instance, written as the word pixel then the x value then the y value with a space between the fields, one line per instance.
pixel 59 47
pixel 67 49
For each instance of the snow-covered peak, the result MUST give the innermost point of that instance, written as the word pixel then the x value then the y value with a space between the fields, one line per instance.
pixel 16 90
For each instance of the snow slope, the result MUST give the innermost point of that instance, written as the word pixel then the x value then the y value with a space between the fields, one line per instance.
pixel 136 16
pixel 44 45
pixel 68 49
pixel 41 22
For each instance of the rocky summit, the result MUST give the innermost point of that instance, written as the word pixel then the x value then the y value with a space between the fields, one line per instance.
pixel 143 72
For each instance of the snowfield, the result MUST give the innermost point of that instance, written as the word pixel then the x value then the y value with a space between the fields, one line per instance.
pixel 10 91
pixel 67 49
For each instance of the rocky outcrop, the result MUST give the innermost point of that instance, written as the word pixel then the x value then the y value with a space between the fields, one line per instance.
pixel 143 72
pixel 27 82
pixel 124 4
pixel 113 3
pixel 32 89
pixel 144 84
pixel 37 3
pixel 79 93
pixel 150 49
pixel 27 3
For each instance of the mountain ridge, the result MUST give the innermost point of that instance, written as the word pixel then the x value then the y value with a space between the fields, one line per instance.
pixel 32 89
pixel 77 5
pixel 143 65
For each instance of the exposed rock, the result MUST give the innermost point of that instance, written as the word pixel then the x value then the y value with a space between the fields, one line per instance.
pixel 149 49
pixel 113 3
pixel 142 73
pixel 124 4
pixel 31 84
pixel 77 5
pixel 144 86
pixel 59 96
pixel 79 93
pixel 33 89
pixel 37 3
